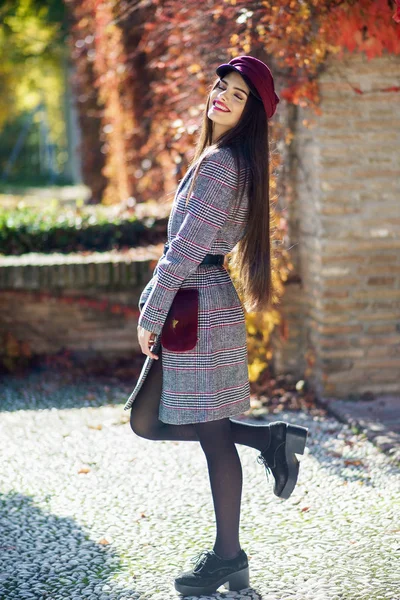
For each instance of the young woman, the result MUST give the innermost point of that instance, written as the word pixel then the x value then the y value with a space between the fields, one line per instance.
pixel 222 201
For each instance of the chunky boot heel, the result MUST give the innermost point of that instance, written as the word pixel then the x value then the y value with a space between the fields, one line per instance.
pixel 296 437
pixel 279 457
pixel 239 581
pixel 211 571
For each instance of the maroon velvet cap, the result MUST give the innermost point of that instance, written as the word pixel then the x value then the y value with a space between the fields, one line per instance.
pixel 257 76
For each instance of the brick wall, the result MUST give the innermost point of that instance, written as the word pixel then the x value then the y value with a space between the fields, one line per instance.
pixel 55 302
pixel 344 315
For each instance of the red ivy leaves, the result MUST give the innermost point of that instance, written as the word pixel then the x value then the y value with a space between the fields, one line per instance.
pixel 153 62
pixel 396 16
pixel 365 26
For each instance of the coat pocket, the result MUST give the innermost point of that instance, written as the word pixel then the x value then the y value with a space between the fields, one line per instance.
pixel 180 331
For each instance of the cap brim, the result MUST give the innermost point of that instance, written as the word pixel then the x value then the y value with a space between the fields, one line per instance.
pixel 225 68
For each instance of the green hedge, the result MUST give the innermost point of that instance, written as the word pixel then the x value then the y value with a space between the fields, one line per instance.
pixel 29 230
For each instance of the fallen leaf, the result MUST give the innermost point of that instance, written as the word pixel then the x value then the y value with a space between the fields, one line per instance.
pixel 99 427
pixel 305 509
pixel 355 463
pixel 103 542
pixel 84 470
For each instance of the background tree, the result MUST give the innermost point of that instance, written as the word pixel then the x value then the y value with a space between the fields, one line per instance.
pixel 32 55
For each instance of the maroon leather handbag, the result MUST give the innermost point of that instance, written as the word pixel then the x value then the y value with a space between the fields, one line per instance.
pixel 179 332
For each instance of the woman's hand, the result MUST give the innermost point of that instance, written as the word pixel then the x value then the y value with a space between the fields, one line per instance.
pixel 146 339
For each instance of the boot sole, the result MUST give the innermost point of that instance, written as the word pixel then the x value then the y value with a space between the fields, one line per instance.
pixel 235 582
pixel 296 438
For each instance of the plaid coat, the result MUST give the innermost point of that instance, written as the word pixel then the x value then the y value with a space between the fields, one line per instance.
pixel 210 381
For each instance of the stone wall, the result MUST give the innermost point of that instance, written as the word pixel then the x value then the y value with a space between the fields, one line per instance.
pixel 344 315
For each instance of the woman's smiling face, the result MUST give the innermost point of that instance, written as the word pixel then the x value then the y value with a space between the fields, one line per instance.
pixel 227 101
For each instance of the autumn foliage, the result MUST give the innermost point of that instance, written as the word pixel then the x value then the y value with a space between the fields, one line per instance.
pixel 145 68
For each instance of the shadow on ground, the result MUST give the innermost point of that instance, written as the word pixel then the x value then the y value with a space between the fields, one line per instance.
pixel 45 390
pixel 40 550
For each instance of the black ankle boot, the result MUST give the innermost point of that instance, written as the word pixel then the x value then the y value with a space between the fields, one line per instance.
pixel 211 571
pixel 279 457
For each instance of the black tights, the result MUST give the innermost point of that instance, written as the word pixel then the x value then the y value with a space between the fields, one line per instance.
pixel 217 439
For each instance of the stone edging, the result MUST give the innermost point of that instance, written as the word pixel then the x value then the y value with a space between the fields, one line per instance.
pixel 377 431
pixel 57 270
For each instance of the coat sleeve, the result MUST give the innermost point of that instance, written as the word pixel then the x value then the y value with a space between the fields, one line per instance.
pixel 208 208
pixel 147 289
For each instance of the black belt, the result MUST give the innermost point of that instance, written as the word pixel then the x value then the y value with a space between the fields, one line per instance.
pixel 209 259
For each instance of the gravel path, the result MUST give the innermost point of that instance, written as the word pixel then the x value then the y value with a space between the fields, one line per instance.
pixel 90 511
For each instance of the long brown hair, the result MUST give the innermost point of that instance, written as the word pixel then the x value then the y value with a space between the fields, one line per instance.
pixel 249 143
